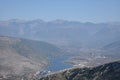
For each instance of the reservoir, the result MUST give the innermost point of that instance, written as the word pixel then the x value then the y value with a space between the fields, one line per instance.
pixel 57 63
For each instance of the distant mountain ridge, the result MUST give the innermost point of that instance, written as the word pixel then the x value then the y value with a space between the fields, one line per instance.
pixel 63 31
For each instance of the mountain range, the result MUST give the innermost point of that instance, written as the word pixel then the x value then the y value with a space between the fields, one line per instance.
pixel 63 32
pixel 26 46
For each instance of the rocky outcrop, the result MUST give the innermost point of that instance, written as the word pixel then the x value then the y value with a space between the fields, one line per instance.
pixel 110 71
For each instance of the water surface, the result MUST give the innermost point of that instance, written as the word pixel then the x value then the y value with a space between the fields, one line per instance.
pixel 57 63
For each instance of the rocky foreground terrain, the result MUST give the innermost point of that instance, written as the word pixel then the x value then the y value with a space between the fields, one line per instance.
pixel 110 71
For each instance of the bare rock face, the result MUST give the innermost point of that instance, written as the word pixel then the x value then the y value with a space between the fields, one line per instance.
pixel 110 71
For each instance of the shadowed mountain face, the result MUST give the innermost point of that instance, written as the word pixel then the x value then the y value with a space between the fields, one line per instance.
pixel 113 49
pixel 114 46
pixel 19 56
pixel 109 71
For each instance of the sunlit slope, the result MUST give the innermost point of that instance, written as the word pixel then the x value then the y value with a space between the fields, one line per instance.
pixel 22 55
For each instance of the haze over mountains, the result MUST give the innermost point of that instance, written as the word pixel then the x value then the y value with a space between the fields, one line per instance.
pixel 69 35
pixel 29 45
pixel 63 32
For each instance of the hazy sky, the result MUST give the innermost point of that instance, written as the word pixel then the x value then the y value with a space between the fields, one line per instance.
pixel 78 10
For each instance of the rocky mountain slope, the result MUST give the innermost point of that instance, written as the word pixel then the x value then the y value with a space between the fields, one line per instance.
pixel 110 71
pixel 19 56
